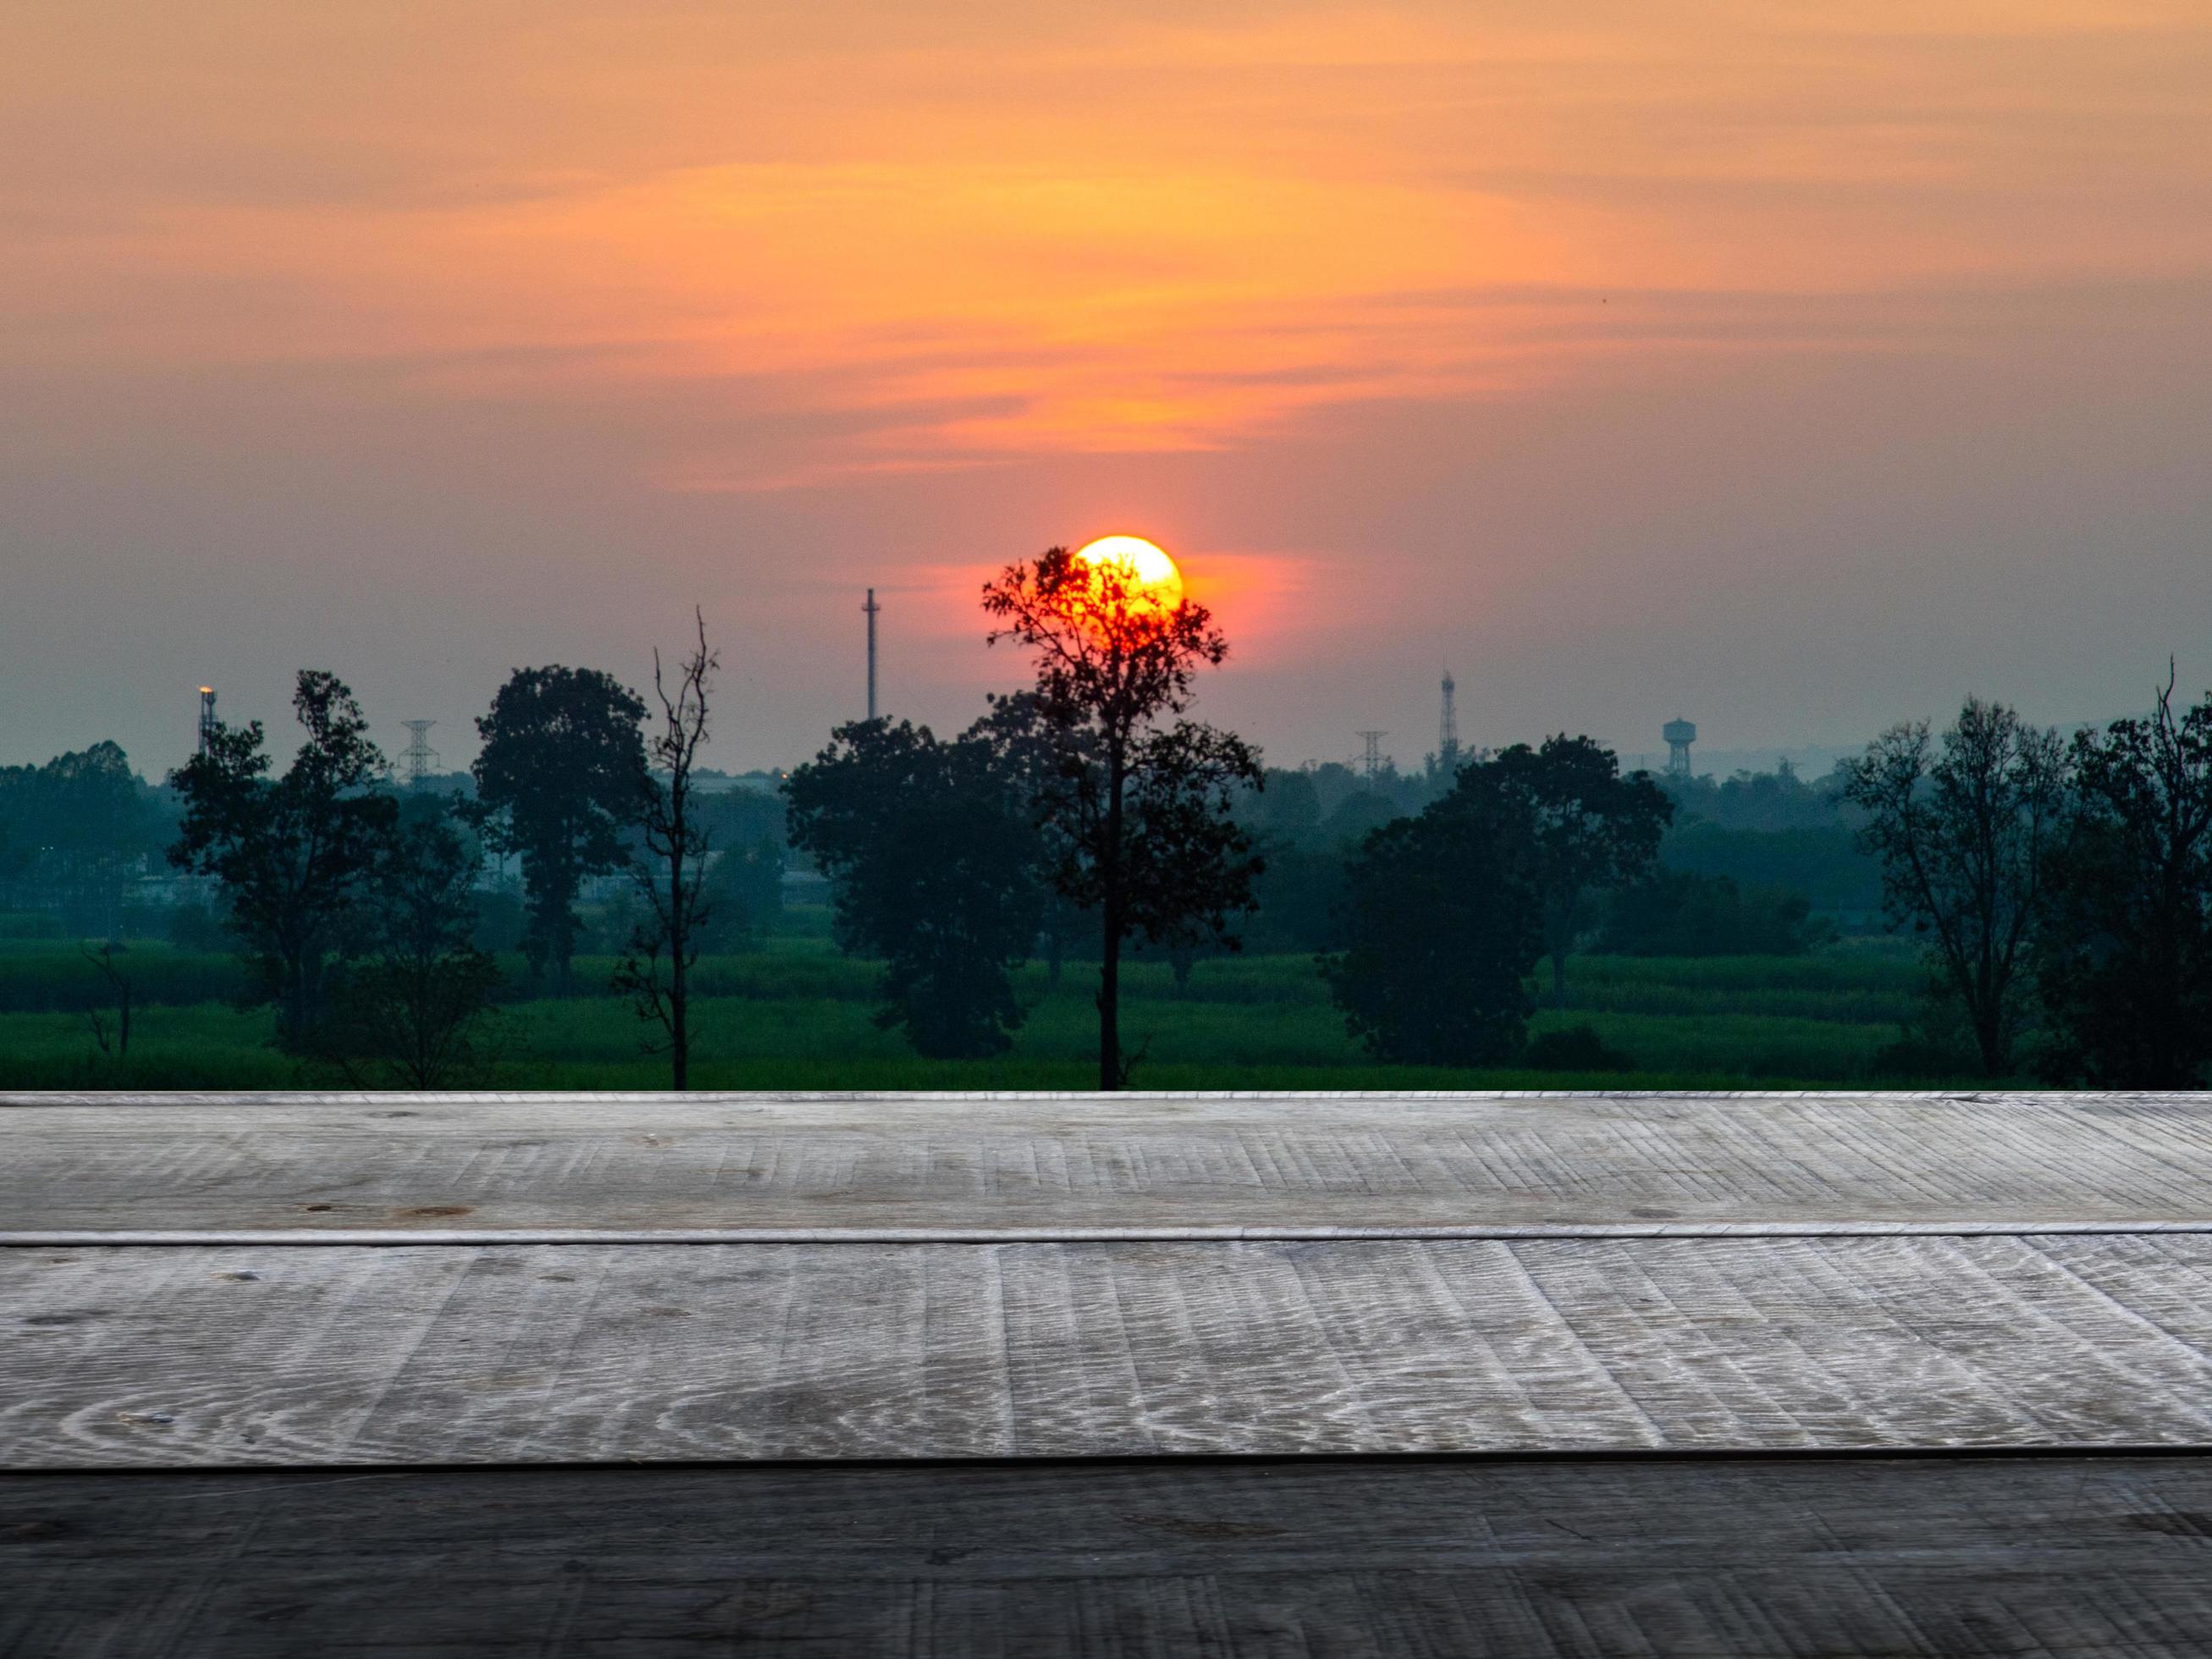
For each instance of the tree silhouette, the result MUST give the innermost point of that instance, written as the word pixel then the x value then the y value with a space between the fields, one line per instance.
pixel 656 970
pixel 1594 828
pixel 930 850
pixel 2124 963
pixel 292 854
pixel 1964 832
pixel 1443 919
pixel 561 777
pixel 1138 808
pixel 411 1010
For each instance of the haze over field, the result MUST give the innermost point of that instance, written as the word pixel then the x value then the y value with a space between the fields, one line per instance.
pixel 1796 372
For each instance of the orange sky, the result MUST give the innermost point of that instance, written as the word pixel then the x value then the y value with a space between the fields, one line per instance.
pixel 1704 349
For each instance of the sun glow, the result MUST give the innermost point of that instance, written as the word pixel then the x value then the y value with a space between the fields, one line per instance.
pixel 1152 572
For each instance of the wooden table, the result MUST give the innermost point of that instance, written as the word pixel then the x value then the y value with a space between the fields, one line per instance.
pixel 1254 1375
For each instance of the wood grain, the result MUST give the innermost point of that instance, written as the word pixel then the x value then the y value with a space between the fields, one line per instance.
pixel 1963 1557
pixel 553 1168
pixel 186 1356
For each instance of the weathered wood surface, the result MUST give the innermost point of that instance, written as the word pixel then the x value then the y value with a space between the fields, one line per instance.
pixel 188 1355
pixel 1962 1557
pixel 365 1167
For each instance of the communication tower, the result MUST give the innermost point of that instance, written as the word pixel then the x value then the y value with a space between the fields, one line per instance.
pixel 872 609
pixel 1680 735
pixel 421 759
pixel 206 718
pixel 1371 763
pixel 1447 730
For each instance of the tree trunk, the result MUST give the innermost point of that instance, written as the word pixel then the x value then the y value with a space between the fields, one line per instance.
pixel 679 945
pixel 1109 998
pixel 679 1023
pixel 1109 908
pixel 1989 1038
pixel 1558 940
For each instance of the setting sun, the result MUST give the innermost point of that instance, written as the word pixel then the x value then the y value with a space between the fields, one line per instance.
pixel 1153 572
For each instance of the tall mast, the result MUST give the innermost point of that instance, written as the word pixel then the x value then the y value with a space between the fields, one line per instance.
pixel 871 608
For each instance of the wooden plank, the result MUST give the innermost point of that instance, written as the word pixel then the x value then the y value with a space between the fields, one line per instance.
pixel 370 1168
pixel 344 1354
pixel 1814 1559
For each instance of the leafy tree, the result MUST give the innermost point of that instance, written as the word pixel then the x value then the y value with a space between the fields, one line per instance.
pixel 1443 921
pixel 2124 963
pixel 1139 812
pixel 74 831
pixel 561 774
pixel 294 854
pixel 1026 755
pixel 929 847
pixel 1964 834
pixel 671 877
pixel 412 1008
pixel 1595 828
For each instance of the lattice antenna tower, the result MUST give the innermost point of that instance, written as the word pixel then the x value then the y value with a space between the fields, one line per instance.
pixel 1448 729
pixel 419 758
pixel 1371 761
pixel 873 609
pixel 206 718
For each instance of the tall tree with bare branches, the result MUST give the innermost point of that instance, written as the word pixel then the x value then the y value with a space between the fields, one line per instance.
pixel 2124 964
pixel 672 876
pixel 1965 832
pixel 1139 802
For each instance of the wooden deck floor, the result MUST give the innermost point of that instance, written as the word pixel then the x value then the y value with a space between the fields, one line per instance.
pixel 1047 1376
pixel 1807 1558
pixel 796 1168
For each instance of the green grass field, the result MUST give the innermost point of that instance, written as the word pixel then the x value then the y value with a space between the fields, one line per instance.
pixel 796 1015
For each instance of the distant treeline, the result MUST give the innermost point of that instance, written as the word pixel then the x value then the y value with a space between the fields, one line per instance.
pixel 2062 888
pixel 1755 865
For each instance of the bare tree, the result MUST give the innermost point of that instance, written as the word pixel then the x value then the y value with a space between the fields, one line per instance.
pixel 113 1041
pixel 1964 834
pixel 656 970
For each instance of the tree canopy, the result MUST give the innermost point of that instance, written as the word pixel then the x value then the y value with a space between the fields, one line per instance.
pixel 561 777
pixel 1443 921
pixel 1138 803
pixel 410 1009
pixel 931 855
pixel 294 853
pixel 1594 828
pixel 1964 831
pixel 2125 961
pixel 76 829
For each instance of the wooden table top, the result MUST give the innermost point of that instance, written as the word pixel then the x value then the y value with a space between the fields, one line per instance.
pixel 1839 1355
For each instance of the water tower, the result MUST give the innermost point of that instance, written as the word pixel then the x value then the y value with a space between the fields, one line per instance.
pixel 1679 734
